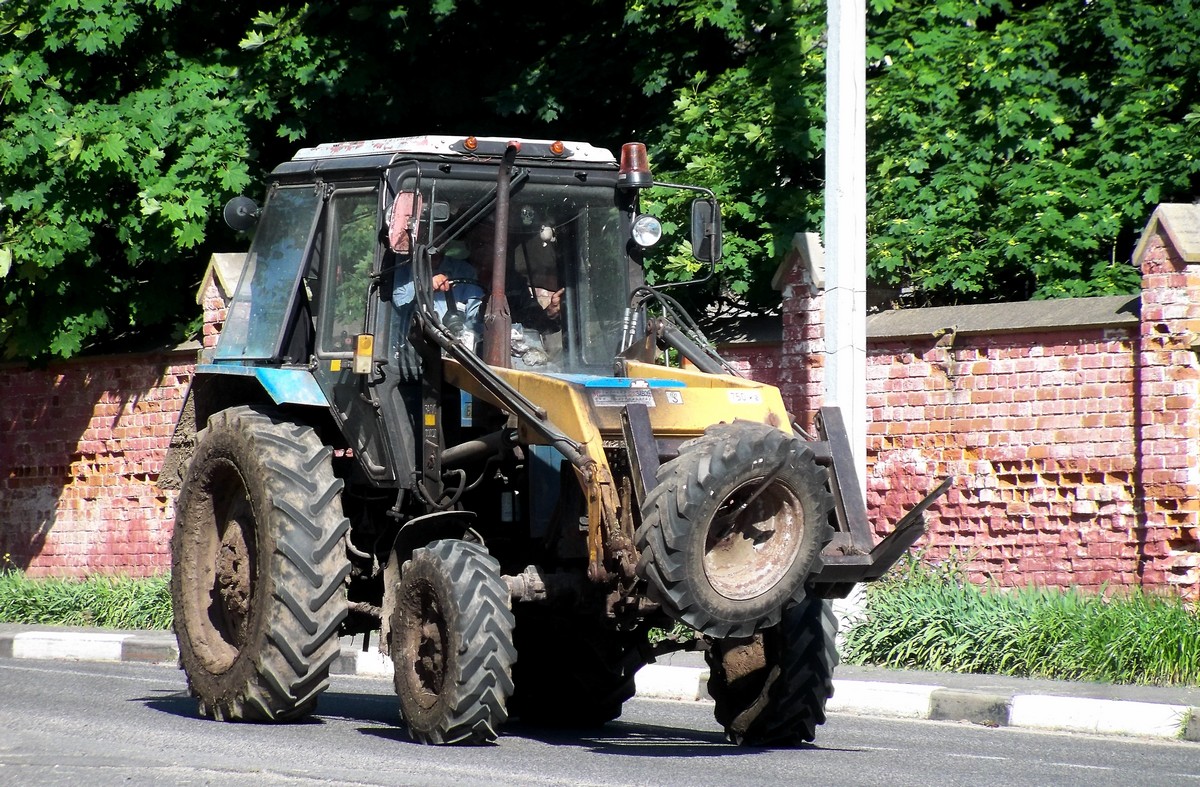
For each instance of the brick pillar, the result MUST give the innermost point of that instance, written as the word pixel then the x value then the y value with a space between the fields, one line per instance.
pixel 216 290
pixel 1168 400
pixel 802 356
pixel 213 301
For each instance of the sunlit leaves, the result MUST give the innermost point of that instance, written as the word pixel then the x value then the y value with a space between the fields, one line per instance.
pixel 753 133
pixel 1036 141
pixel 1015 149
pixel 107 163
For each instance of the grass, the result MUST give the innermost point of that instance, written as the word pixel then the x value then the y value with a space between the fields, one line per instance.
pixel 921 616
pixel 105 602
pixel 930 618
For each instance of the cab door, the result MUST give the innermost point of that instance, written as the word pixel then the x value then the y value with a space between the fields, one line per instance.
pixel 351 252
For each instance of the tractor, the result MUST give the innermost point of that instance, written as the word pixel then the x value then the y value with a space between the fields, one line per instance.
pixel 446 409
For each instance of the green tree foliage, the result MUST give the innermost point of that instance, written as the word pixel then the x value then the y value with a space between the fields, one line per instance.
pixel 753 131
pixel 1015 148
pixel 1018 148
pixel 117 141
pixel 127 124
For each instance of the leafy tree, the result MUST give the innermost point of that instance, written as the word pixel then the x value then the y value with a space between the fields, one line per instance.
pixel 751 129
pixel 128 124
pixel 1017 149
pixel 115 144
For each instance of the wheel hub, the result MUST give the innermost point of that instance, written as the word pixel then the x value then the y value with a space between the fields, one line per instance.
pixel 233 582
pixel 753 541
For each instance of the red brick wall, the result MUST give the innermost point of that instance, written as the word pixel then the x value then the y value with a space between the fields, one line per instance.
pixel 1168 410
pixel 1076 452
pixel 82 446
pixel 758 361
pixel 803 350
pixel 1038 430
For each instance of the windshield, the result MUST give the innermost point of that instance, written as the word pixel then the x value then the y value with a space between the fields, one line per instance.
pixel 262 305
pixel 566 277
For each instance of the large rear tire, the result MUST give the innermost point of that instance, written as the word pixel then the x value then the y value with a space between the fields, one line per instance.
pixel 771 689
pixel 452 644
pixel 571 671
pixel 258 567
pixel 733 528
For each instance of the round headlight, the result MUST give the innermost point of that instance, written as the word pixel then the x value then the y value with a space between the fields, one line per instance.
pixel 647 231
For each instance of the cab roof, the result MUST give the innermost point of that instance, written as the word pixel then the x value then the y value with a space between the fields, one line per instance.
pixel 446 145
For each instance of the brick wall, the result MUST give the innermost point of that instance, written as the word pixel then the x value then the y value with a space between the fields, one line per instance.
pixel 1038 430
pixel 1168 410
pixel 1071 427
pixel 757 361
pixel 83 444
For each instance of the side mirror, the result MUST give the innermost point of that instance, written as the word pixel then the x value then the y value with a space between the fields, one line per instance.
pixel 706 230
pixel 241 213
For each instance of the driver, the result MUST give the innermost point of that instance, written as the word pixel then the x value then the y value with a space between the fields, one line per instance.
pixel 454 282
pixel 532 321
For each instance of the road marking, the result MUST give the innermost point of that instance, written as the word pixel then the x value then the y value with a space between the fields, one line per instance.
pixel 105 676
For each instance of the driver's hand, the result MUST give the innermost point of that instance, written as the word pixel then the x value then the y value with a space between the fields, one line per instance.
pixel 554 307
pixel 441 282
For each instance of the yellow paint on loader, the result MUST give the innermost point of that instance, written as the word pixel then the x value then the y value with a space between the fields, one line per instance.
pixel 590 415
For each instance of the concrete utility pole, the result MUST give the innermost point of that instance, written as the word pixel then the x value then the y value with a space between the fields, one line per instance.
pixel 846 220
pixel 845 378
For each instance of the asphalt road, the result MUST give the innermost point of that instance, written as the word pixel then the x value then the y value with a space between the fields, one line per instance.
pixel 106 724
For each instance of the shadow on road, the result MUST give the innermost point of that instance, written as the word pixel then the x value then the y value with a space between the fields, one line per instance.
pixel 616 738
pixel 634 739
pixel 184 706
pixel 381 717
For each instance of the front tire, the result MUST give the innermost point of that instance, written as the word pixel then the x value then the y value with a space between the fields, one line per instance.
pixel 733 528
pixel 258 567
pixel 452 644
pixel 771 689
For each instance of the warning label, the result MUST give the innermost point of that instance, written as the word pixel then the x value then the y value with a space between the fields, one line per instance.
pixel 623 396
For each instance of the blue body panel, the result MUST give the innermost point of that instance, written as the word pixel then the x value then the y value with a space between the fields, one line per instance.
pixel 591 381
pixel 285 386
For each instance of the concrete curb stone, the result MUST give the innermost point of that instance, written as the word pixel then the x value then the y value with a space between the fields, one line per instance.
pixel 681 680
pixel 150 649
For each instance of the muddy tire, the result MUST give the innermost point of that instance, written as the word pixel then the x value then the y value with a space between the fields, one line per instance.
pixel 570 672
pixel 771 689
pixel 452 644
pixel 258 567
pixel 733 528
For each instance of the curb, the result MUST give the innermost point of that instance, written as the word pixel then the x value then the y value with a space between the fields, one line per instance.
pixel 689 684
pixel 90 646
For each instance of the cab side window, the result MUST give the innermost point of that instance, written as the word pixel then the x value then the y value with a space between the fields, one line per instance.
pixel 352 241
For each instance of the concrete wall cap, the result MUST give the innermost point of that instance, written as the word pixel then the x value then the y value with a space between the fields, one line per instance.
pixel 225 269
pixel 1058 315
